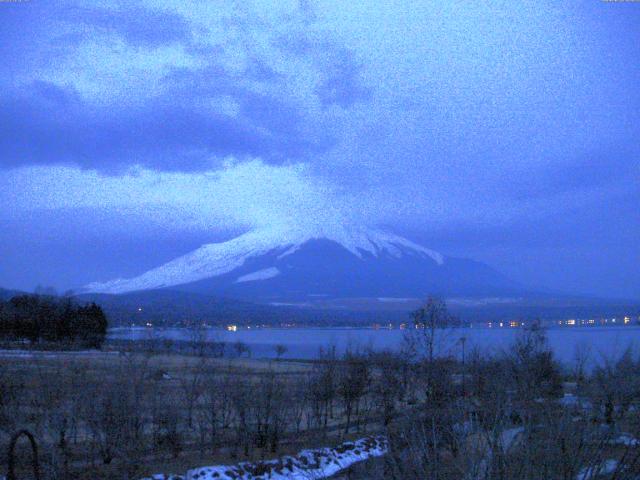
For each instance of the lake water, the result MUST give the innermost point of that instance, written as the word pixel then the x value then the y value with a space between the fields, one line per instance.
pixel 601 342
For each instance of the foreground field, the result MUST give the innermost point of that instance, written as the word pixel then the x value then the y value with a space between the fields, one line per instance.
pixel 128 414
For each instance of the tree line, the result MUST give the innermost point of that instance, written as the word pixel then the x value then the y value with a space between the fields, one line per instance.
pixel 44 318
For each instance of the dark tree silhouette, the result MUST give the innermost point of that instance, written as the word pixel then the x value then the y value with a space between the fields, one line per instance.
pixel 38 318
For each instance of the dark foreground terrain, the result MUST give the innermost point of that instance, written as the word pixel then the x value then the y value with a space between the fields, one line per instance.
pixel 519 415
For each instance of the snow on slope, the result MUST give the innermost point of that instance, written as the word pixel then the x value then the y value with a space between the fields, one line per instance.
pixel 263 274
pixel 219 258
pixel 308 464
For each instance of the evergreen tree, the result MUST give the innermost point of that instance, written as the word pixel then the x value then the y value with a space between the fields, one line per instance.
pixel 45 318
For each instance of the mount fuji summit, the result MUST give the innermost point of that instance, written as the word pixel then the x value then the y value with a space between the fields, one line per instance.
pixel 274 265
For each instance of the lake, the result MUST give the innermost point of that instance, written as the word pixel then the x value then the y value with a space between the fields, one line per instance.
pixel 601 342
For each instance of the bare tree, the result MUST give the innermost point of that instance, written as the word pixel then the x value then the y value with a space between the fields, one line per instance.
pixel 241 348
pixel 353 382
pixel 581 358
pixel 534 371
pixel 387 385
pixel 616 386
pixel 191 383
pixel 422 341
pixel 322 387
pixel 280 350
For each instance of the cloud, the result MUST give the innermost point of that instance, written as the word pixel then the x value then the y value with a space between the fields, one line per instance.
pixel 136 86
pixel 471 122
pixel 340 72
pixel 244 194
pixel 139 27
pixel 604 170
pixel 46 124
pixel 239 195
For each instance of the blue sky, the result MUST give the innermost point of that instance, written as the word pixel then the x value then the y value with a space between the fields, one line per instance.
pixel 133 132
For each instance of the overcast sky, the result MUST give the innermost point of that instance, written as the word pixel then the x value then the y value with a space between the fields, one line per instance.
pixel 507 132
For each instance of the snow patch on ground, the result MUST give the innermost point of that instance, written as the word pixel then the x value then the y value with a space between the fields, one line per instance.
pixel 569 400
pixel 308 464
pixel 607 467
pixel 510 437
pixel 263 274
pixel 626 440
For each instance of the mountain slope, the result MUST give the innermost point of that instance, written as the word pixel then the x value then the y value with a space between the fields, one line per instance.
pixel 321 269
pixel 274 265
pixel 219 258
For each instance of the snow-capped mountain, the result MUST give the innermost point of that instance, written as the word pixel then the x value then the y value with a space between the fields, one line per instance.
pixel 297 264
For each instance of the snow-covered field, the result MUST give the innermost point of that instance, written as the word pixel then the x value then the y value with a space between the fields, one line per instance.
pixel 308 464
